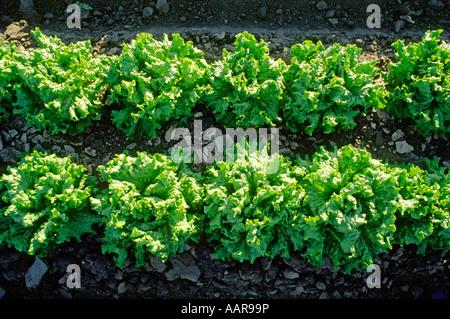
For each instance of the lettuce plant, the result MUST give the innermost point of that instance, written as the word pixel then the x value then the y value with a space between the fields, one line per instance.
pixel 354 198
pixel 151 205
pixel 7 81
pixel 253 211
pixel 423 216
pixel 61 86
pixel 45 202
pixel 328 88
pixel 418 83
pixel 157 82
pixel 246 86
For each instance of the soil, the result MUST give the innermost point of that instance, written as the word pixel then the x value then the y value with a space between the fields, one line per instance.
pixel 212 26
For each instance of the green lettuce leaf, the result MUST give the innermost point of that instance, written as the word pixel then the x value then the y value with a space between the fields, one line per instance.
pixel 418 84
pixel 253 212
pixel 45 202
pixel 61 86
pixel 157 82
pixel 246 86
pixel 353 196
pixel 151 205
pixel 328 88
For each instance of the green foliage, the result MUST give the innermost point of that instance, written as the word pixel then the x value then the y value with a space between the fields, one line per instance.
pixel 246 87
pixel 84 6
pixel 423 216
pixel 252 210
pixel 157 81
pixel 45 202
pixel 328 88
pixel 354 197
pixel 60 85
pixel 419 84
pixel 7 81
pixel 151 205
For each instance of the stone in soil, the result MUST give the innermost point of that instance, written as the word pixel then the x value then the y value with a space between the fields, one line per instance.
pixel 35 273
pixel 402 147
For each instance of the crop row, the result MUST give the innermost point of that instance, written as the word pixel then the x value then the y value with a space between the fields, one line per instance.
pixel 62 88
pixel 339 204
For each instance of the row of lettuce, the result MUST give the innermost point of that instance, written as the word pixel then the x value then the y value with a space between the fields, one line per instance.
pixel 340 204
pixel 63 88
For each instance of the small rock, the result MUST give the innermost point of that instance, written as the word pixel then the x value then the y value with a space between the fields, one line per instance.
pixel 333 21
pixel 172 274
pixel 407 18
pixel 157 264
pixel 330 13
pixel 262 12
pixel 162 6
pixel 265 263
pixel 321 5
pixel 446 164
pixel 131 146
pixel 13 132
pixel 90 151
pixel 403 147
pixel 26 5
pixel 299 290
pixel 397 135
pixel 23 138
pixel 1 143
pixel 49 16
pixel 122 287
pixel 69 148
pixel 251 273
pixel 286 152
pixel 320 285
pixel 398 254
pixel 382 115
pixel 35 273
pixel 399 25
pixel 323 295
pixel 148 12
pixel 219 37
pixel 9 154
pixel 186 268
pixel 436 5
pixel 290 274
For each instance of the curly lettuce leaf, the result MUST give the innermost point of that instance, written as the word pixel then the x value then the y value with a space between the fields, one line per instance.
pixel 253 212
pixel 60 87
pixel 246 86
pixel 46 203
pixel 151 205
pixel 423 208
pixel 354 197
pixel 418 84
pixel 328 88
pixel 157 82
pixel 8 78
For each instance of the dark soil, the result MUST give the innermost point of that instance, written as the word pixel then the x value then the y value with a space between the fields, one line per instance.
pixel 212 25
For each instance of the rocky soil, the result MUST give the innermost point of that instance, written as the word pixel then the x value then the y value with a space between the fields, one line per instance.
pixel 212 25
